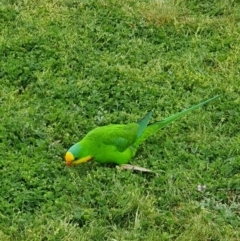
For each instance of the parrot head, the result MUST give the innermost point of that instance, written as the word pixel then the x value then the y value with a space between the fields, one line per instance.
pixel 75 155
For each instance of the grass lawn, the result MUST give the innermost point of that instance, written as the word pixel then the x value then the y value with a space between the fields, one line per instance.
pixel 67 66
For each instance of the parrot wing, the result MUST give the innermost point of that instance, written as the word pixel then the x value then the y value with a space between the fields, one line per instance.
pixel 123 136
pixel 120 136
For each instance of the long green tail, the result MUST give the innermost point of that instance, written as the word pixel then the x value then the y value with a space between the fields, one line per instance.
pixel 151 129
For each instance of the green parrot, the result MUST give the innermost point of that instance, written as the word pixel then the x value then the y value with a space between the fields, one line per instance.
pixel 118 143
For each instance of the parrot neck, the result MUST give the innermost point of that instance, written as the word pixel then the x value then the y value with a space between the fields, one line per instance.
pixel 76 149
pixel 80 150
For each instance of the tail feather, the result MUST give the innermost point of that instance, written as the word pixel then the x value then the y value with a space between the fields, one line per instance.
pixel 151 129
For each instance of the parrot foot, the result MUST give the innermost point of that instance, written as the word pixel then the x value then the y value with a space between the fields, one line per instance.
pixel 134 168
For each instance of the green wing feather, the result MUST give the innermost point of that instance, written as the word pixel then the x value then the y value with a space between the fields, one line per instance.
pixel 143 123
pixel 120 136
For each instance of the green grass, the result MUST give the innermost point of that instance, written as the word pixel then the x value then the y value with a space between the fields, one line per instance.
pixel 68 66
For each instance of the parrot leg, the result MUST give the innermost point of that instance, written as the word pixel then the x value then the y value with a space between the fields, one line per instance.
pixel 134 168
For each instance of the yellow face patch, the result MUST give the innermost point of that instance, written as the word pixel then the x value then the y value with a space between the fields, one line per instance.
pixel 69 157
